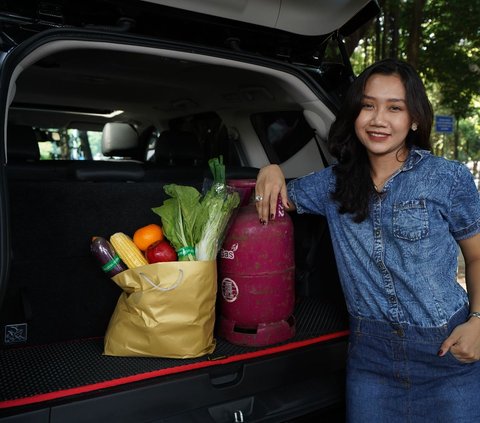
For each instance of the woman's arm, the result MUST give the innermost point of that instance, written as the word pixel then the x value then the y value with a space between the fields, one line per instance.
pixel 270 184
pixel 464 341
pixel 471 253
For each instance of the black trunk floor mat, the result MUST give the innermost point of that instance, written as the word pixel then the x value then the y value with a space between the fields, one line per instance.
pixel 39 373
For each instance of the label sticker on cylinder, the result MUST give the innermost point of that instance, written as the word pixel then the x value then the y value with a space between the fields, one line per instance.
pixel 229 254
pixel 229 290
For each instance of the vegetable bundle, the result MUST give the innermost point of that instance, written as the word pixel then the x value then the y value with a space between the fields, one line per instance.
pixel 196 224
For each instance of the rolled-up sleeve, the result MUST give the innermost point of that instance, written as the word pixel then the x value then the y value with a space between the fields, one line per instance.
pixel 310 193
pixel 464 216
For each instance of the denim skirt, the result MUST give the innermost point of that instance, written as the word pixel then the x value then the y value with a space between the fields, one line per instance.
pixel 395 375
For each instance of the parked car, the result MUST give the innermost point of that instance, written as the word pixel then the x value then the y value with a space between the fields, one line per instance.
pixel 103 103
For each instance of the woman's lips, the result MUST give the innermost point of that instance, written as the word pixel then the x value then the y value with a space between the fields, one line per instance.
pixel 377 136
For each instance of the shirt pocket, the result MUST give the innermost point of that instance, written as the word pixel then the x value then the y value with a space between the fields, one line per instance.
pixel 410 220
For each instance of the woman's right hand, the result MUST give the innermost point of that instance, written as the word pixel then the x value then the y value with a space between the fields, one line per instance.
pixel 270 184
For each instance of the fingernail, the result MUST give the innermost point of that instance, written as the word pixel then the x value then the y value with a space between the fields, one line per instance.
pixel 440 353
pixel 261 221
pixel 272 216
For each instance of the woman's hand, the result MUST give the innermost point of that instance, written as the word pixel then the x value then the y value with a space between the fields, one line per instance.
pixel 270 184
pixel 464 342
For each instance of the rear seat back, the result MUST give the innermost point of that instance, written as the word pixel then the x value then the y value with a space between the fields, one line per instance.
pixel 55 285
pixel 22 144
pixel 177 148
pixel 23 157
pixel 104 171
pixel 118 140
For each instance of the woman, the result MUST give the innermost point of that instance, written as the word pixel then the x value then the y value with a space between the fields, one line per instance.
pixel 397 215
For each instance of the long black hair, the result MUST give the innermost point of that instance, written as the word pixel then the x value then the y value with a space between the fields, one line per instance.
pixel 354 185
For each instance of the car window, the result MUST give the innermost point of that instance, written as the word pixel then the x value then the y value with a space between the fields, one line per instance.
pixel 70 144
pixel 282 134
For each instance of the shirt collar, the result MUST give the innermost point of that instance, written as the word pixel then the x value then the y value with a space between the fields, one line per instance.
pixel 414 156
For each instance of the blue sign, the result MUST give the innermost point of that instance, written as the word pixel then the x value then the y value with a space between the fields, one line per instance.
pixel 444 124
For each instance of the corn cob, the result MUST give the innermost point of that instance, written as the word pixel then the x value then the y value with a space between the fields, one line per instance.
pixel 127 250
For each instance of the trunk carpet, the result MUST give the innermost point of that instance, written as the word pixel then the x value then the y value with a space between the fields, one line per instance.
pixel 35 374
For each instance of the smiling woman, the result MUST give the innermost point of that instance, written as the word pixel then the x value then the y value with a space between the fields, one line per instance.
pixel 397 252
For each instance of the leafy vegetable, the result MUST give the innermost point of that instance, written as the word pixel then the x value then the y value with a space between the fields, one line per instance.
pixel 180 215
pixel 196 226
pixel 218 205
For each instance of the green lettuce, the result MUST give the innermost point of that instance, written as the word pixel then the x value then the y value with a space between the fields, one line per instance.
pixel 196 225
pixel 218 206
pixel 181 215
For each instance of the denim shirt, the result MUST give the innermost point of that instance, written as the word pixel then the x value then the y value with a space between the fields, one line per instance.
pixel 400 263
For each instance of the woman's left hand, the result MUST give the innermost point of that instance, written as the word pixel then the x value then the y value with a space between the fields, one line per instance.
pixel 464 342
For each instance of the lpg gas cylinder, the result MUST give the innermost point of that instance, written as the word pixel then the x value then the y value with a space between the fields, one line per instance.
pixel 257 276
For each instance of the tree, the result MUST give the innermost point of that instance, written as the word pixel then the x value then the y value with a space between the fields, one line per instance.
pixel 415 33
pixel 440 38
pixel 451 56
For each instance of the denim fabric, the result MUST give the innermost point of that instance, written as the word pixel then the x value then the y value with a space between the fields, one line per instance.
pixel 395 375
pixel 399 265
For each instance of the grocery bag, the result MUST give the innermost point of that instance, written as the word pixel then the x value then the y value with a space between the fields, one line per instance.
pixel 165 310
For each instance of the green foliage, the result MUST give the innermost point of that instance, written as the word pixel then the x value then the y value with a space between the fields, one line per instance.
pixel 470 130
pixel 451 52
pixel 441 38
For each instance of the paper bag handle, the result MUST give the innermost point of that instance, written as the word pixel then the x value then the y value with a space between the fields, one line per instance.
pixel 157 286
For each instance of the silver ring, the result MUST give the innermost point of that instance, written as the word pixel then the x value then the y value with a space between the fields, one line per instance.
pixel 258 198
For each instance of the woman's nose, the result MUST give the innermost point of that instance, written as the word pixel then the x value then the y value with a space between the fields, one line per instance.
pixel 378 118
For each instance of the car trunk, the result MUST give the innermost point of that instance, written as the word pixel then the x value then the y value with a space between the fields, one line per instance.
pixel 57 302
pixel 57 294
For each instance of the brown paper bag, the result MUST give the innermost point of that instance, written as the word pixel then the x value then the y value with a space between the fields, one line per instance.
pixel 166 310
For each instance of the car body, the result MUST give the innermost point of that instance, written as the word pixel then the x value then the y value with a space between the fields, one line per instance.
pixel 117 99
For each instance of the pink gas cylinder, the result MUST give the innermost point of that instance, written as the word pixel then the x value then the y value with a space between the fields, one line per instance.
pixel 257 275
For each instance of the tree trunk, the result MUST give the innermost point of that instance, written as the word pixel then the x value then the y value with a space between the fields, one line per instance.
pixel 414 40
pixel 386 29
pixel 378 38
pixel 394 26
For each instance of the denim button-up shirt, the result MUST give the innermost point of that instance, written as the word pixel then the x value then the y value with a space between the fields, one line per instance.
pixel 400 263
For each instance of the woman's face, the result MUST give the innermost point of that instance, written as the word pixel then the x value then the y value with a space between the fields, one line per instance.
pixel 384 120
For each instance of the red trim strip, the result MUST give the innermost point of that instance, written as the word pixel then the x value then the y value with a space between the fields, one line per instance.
pixel 172 370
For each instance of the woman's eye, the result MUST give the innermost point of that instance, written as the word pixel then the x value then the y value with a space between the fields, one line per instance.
pixel 367 106
pixel 395 108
